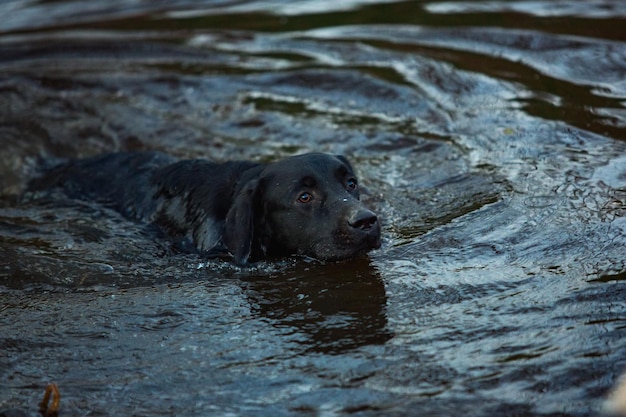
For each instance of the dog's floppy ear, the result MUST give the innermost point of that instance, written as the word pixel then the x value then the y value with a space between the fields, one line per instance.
pixel 239 227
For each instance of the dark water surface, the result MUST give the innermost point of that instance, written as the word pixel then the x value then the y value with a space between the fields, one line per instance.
pixel 491 136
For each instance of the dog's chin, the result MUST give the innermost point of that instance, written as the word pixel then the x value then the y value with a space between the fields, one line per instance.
pixel 334 252
pixel 341 256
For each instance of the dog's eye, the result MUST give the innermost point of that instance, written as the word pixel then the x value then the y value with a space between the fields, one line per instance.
pixel 352 184
pixel 305 197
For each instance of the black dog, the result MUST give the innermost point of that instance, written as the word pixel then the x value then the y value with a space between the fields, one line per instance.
pixel 303 205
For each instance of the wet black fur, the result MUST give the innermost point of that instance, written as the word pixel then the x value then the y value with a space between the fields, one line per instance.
pixel 247 209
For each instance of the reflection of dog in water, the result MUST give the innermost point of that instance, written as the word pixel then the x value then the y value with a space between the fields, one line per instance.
pixel 304 205
pixel 330 308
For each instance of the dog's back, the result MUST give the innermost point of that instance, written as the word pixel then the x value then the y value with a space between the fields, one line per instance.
pixel 120 180
pixel 188 199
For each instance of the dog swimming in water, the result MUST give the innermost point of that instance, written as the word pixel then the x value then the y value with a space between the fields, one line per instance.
pixel 303 205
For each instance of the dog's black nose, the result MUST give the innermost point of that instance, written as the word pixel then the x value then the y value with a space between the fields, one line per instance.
pixel 363 220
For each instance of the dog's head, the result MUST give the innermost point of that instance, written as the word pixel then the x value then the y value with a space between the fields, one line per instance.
pixel 303 205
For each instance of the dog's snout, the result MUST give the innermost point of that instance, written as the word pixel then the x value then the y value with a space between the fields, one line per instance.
pixel 363 220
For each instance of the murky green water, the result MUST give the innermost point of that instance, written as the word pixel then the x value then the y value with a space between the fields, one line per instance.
pixel 491 137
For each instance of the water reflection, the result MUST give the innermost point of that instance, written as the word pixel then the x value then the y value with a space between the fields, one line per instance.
pixel 336 306
pixel 491 135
